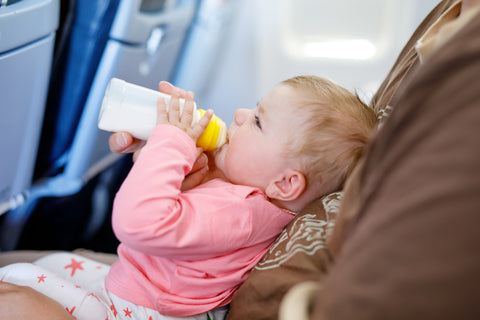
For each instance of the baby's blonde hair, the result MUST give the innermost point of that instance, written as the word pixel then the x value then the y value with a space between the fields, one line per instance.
pixel 336 127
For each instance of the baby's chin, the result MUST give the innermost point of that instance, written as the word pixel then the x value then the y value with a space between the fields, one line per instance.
pixel 220 152
pixel 219 156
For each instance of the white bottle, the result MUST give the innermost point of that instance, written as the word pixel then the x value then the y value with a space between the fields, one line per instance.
pixel 132 108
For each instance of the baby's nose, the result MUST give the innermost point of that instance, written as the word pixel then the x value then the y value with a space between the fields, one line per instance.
pixel 240 116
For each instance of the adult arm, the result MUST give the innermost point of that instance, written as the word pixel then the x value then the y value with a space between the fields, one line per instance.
pixel 19 302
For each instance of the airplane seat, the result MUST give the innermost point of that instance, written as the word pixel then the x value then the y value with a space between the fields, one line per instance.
pixel 81 39
pixel 76 175
pixel 27 37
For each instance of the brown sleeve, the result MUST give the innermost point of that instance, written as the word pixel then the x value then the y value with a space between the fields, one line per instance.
pixel 412 250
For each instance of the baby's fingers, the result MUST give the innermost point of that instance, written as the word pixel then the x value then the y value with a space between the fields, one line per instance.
pixel 162 116
pixel 188 109
pixel 174 108
pixel 200 127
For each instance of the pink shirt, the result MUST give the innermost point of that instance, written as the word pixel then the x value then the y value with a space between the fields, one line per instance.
pixel 184 253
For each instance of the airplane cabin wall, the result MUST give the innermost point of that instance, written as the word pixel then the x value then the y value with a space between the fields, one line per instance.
pixel 271 40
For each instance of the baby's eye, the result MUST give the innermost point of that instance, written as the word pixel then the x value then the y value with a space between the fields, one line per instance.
pixel 257 122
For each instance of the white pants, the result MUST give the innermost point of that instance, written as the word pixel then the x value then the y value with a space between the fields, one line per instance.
pixel 78 284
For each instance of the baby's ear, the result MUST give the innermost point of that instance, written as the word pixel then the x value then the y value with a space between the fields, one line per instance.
pixel 288 186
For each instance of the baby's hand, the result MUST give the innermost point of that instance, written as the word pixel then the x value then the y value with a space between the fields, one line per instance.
pixel 184 119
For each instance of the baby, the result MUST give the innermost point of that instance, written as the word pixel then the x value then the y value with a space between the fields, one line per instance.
pixel 184 254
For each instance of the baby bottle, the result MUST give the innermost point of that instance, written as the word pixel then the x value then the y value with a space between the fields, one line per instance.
pixel 132 108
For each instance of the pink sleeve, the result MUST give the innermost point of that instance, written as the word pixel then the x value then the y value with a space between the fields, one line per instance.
pixel 148 200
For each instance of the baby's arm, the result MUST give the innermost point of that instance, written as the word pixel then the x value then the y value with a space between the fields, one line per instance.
pixel 124 142
pixel 148 203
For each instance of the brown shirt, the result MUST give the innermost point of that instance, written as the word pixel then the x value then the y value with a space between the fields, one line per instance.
pixel 409 243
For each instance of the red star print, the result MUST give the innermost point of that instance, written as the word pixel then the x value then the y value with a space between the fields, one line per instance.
pixel 41 278
pixel 74 265
pixel 112 307
pixel 150 318
pixel 92 295
pixel 128 313
pixel 70 311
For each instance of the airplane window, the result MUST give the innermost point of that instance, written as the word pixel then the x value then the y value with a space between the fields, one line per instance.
pixel 325 33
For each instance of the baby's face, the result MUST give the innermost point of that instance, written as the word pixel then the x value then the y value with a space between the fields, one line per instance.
pixel 255 152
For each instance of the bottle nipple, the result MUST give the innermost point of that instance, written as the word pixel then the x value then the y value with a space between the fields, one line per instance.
pixel 215 135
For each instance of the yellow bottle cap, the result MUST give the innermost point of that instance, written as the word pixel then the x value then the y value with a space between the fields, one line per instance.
pixel 214 136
